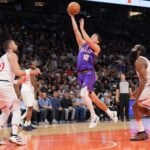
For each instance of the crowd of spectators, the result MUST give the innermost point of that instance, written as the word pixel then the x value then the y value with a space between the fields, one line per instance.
pixel 50 41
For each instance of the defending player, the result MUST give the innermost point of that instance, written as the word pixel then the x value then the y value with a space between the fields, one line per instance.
pixel 28 91
pixel 142 93
pixel 89 49
pixel 9 68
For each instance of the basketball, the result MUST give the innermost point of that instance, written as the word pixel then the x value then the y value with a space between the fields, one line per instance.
pixel 73 8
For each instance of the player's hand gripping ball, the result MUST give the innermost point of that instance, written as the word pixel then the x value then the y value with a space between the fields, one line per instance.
pixel 73 8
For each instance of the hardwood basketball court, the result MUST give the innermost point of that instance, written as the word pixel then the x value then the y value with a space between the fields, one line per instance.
pixel 77 136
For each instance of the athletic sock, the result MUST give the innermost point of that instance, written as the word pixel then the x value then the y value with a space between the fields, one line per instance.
pixel 140 126
pixel 27 123
pixel 14 129
pixel 109 113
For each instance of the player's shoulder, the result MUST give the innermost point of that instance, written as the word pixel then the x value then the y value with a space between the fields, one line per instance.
pixel 12 55
pixel 4 55
pixel 82 45
pixel 141 61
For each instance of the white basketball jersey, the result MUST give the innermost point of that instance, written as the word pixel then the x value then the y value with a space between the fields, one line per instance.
pixel 147 71
pixel 6 72
pixel 27 86
pixel 145 95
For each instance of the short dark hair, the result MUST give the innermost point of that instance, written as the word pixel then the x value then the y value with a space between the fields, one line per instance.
pixel 6 44
pixel 122 73
pixel 33 62
pixel 99 37
pixel 140 49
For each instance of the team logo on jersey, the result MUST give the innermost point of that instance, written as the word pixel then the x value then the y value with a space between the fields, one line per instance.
pixel 2 65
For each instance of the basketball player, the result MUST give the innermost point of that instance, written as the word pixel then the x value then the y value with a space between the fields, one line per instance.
pixel 142 93
pixel 9 68
pixel 89 49
pixel 28 91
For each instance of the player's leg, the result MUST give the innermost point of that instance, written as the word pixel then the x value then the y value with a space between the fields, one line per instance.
pixel 16 118
pixel 102 106
pixel 89 81
pixel 28 99
pixel 87 87
pixel 139 110
pixel 27 124
pixel 3 117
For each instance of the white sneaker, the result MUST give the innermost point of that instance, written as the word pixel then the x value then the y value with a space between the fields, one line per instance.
pixel 2 142
pixel 17 140
pixel 94 121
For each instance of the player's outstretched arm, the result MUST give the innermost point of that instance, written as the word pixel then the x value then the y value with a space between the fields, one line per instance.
pixel 87 38
pixel 13 60
pixel 20 81
pixel 77 33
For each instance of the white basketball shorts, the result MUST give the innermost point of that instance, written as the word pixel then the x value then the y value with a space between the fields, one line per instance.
pixel 8 97
pixel 28 98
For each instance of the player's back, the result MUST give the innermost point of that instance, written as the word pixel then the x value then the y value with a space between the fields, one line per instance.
pixel 6 72
pixel 86 58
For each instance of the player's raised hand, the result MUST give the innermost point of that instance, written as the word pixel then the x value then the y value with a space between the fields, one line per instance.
pixel 71 15
pixel 81 23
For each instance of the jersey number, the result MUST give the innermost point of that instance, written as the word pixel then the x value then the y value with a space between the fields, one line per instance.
pixel 2 65
pixel 85 57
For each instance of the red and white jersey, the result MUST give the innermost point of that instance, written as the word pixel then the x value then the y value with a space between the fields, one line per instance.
pixel 27 86
pixel 145 95
pixel 147 71
pixel 6 72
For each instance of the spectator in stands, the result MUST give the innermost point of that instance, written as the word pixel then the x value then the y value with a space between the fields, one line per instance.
pixel 67 105
pixel 80 107
pixel 48 108
pixel 56 105
pixel 44 106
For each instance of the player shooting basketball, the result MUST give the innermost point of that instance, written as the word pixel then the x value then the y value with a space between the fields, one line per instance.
pixel 89 49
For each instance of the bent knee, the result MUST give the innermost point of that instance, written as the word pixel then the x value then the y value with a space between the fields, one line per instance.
pixel 84 92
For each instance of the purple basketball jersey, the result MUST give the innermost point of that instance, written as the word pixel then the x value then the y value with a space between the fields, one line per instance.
pixel 86 58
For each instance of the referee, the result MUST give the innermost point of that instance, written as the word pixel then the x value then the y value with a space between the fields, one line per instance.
pixel 123 93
